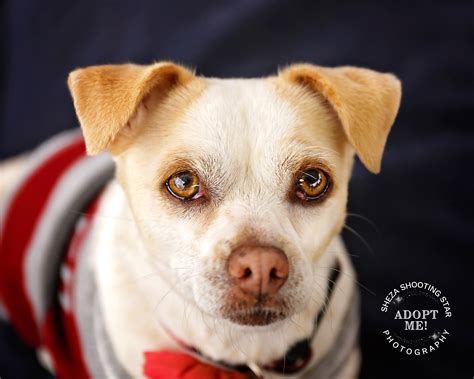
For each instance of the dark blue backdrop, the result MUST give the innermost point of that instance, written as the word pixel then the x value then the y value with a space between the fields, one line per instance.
pixel 422 200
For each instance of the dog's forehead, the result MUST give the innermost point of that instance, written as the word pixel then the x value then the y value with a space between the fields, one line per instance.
pixel 237 109
pixel 258 116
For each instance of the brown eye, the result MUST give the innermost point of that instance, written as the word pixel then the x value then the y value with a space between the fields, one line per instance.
pixel 312 185
pixel 184 185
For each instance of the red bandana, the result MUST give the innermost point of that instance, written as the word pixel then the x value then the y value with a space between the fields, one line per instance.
pixel 176 365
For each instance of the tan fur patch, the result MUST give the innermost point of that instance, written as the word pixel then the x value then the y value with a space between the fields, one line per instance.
pixel 313 109
pixel 106 97
pixel 365 101
pixel 160 109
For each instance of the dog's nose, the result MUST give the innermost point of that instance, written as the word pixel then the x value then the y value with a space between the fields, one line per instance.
pixel 258 270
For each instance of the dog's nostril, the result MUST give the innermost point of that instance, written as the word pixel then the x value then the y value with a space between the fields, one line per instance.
pixel 273 273
pixel 247 273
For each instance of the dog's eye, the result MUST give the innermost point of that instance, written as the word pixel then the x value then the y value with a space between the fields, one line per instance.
pixel 184 185
pixel 312 185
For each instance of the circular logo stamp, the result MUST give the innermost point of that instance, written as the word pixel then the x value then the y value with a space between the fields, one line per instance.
pixel 417 316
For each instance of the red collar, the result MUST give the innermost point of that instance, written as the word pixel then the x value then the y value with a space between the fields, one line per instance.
pixel 186 365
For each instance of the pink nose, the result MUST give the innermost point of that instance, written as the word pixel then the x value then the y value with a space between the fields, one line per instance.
pixel 258 270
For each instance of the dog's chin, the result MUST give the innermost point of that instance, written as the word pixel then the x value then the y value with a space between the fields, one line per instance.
pixel 256 317
pixel 247 310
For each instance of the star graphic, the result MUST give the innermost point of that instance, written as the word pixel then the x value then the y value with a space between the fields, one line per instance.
pixel 398 299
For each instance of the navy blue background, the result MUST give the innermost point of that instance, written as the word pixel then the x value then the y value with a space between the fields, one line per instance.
pixel 421 203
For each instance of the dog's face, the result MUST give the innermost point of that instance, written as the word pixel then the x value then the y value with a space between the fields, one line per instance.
pixel 237 186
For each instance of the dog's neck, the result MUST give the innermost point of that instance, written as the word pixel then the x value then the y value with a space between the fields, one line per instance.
pixel 137 320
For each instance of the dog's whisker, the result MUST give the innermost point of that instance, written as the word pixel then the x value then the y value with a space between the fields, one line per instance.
pixel 161 299
pixel 185 315
pixel 218 334
pixel 290 319
pixel 204 319
pixel 366 219
pixel 284 355
pixel 362 239
pixel 346 253
pixel 355 280
pixel 338 288
pixel 353 255
pixel 237 345
pixel 328 309
pixel 325 304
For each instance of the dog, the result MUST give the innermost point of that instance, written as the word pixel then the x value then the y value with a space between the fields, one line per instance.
pixel 214 250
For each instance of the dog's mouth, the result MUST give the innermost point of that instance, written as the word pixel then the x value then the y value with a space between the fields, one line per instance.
pixel 255 312
pixel 258 316
pixel 245 309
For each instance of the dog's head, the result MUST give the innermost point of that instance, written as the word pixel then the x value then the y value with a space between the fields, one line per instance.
pixel 237 186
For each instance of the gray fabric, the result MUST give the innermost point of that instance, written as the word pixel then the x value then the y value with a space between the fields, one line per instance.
pixel 35 159
pixel 97 349
pixel 76 188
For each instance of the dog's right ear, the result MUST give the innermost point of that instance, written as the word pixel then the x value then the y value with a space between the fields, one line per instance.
pixel 107 97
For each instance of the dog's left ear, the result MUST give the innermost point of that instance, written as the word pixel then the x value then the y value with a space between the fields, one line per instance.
pixel 108 97
pixel 365 101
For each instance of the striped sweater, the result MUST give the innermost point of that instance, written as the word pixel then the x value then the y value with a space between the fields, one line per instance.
pixel 47 284
pixel 44 231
